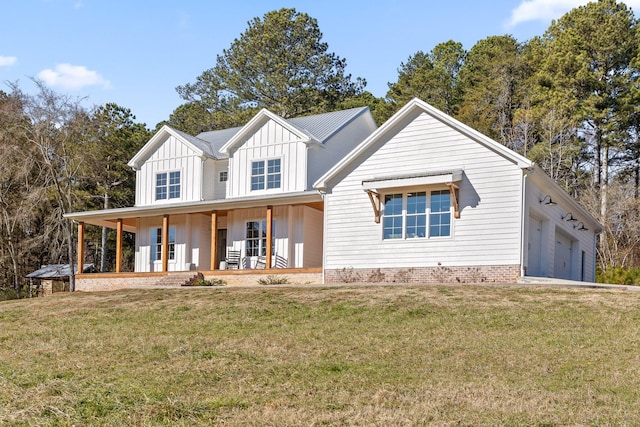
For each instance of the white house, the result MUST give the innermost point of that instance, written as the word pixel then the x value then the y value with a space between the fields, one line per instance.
pixel 422 198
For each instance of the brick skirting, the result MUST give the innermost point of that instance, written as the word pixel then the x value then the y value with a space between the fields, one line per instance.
pixel 439 274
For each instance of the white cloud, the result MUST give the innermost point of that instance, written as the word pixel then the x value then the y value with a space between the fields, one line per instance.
pixel 70 76
pixel 7 61
pixel 547 10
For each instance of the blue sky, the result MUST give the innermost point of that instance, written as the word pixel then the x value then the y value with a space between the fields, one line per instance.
pixel 135 53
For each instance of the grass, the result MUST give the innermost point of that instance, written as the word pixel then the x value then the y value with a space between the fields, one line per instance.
pixel 323 356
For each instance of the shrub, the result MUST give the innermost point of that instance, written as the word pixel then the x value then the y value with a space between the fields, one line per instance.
pixel 201 281
pixel 273 279
pixel 619 275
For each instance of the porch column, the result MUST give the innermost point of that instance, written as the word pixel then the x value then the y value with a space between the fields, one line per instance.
pixel 80 247
pixel 269 236
pixel 119 245
pixel 165 243
pixel 214 240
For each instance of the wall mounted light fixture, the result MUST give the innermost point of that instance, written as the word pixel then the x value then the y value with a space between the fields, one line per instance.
pixel 580 226
pixel 569 217
pixel 547 201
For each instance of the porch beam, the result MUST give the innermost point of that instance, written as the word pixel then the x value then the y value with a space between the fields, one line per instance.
pixel 165 243
pixel 119 225
pixel 80 247
pixel 269 236
pixel 214 240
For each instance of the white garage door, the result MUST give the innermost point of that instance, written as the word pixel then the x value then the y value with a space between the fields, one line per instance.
pixel 562 265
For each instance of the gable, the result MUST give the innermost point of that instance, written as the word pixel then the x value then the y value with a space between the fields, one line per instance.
pixel 436 127
pixel 169 142
pixel 254 127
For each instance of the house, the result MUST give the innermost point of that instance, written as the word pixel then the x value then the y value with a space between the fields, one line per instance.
pixel 421 198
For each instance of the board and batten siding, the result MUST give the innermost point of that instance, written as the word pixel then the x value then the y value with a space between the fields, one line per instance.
pixel 487 232
pixel 212 187
pixel 171 155
pixel 270 141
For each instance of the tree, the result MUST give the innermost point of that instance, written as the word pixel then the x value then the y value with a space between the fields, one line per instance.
pixel 432 77
pixel 279 63
pixel 588 73
pixel 21 192
pixel 56 127
pixel 113 138
pixel 493 77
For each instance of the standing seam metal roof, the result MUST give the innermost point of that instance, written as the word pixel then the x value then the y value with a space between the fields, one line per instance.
pixel 319 126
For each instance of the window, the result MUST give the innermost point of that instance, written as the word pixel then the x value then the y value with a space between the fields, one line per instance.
pixel 224 176
pixel 168 185
pixel 440 216
pixel 405 215
pixel 156 244
pixel 256 234
pixel 268 178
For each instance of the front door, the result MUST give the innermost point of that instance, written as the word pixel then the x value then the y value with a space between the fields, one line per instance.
pixel 222 245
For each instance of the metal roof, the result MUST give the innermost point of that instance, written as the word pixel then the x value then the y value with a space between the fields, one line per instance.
pixel 54 271
pixel 199 142
pixel 323 126
pixel 217 138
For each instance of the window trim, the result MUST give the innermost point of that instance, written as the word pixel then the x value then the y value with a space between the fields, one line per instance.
pixel 168 187
pixel 427 214
pixel 222 174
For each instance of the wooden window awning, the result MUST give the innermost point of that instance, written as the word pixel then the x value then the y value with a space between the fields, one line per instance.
pixel 375 186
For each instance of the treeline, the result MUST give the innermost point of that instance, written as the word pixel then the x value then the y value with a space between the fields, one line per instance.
pixel 568 100
pixel 57 157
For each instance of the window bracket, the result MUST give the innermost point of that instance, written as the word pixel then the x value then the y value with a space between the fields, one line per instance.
pixel 375 203
pixel 453 189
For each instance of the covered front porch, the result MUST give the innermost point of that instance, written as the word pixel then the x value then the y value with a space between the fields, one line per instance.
pixel 200 236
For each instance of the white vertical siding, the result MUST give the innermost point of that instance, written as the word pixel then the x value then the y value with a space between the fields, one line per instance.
pixel 487 233
pixel 171 155
pixel 212 187
pixel 312 219
pixel 269 142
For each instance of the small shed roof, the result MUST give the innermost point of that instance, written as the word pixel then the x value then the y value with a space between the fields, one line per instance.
pixel 56 271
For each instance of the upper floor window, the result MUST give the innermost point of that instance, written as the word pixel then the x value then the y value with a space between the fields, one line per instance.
pixel 168 185
pixel 265 174
pixel 410 215
pixel 223 176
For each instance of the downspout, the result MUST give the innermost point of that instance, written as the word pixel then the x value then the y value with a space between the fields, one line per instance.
pixel 523 211
pixel 323 193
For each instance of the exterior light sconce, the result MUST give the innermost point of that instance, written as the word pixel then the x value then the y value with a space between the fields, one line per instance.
pixel 569 217
pixel 547 201
pixel 580 226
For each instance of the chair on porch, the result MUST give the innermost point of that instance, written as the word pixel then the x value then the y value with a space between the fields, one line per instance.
pixel 233 260
pixel 261 263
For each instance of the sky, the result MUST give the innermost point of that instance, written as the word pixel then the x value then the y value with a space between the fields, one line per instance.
pixel 135 53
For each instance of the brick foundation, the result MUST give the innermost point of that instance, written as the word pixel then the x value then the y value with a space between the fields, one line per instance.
pixel 439 274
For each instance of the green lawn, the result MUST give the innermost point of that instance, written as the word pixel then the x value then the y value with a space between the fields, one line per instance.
pixel 436 355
